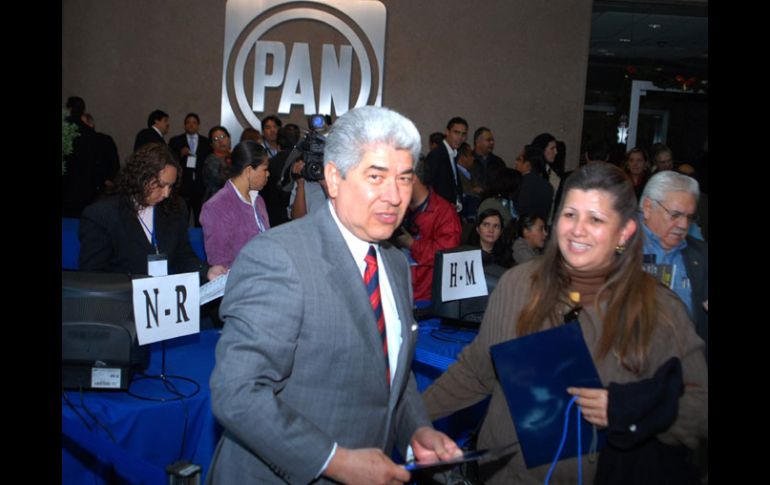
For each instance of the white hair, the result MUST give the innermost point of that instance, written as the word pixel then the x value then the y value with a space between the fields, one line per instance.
pixel 668 181
pixel 361 129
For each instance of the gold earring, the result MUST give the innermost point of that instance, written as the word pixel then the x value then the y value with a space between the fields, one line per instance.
pixel 620 248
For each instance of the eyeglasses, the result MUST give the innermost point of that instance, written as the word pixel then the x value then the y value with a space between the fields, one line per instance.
pixel 676 215
pixel 220 137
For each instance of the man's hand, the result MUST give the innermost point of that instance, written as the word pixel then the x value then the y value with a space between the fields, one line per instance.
pixel 185 151
pixel 364 466
pixel 431 446
pixel 404 240
pixel 297 167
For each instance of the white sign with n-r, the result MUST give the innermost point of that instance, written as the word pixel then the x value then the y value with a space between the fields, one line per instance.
pixel 166 307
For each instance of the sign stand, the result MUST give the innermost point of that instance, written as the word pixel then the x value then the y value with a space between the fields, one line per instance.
pixel 166 307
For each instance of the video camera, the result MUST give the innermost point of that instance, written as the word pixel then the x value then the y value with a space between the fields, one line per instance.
pixel 312 147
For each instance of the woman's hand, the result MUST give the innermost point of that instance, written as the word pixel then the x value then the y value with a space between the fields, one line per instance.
pixel 593 403
pixel 216 270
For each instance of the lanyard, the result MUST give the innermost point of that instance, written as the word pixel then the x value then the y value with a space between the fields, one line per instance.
pixel 259 219
pixel 152 232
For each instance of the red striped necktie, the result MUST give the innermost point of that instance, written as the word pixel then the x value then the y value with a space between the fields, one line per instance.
pixel 372 282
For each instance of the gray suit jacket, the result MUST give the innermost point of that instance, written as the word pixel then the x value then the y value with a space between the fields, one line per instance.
pixel 299 364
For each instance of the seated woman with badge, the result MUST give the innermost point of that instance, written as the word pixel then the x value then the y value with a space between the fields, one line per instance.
pixel 651 395
pixel 141 229
pixel 237 213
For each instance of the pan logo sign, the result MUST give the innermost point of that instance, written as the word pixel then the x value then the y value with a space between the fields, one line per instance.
pixel 285 55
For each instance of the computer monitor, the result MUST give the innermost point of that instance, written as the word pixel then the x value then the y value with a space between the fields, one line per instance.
pixel 466 312
pixel 98 330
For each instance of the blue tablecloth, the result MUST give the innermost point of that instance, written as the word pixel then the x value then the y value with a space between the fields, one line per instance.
pixel 437 349
pixel 149 433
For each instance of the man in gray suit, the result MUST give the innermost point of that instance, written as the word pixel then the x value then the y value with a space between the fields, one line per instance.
pixel 308 385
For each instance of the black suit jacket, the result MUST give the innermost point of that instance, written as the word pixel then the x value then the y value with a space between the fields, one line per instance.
pixel 80 182
pixel 438 174
pixel 147 135
pixel 535 196
pixel 192 178
pixel 696 261
pixel 276 199
pixel 112 240
pixel 108 162
pixel 485 170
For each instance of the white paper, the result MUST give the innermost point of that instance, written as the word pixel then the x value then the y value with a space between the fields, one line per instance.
pixel 190 161
pixel 159 267
pixel 105 378
pixel 213 289
pixel 462 275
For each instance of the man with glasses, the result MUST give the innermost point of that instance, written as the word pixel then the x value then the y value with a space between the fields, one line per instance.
pixel 668 205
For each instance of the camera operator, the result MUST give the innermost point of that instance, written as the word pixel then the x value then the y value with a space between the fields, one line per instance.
pixel 305 178
pixel 276 199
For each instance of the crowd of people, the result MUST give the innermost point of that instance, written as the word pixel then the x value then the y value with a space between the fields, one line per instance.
pixel 317 322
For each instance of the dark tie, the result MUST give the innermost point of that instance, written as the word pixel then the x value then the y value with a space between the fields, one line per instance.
pixel 372 282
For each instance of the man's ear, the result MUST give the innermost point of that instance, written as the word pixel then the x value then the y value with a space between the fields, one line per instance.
pixel 647 208
pixel 332 177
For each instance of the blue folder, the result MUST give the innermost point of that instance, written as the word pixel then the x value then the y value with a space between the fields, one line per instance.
pixel 535 371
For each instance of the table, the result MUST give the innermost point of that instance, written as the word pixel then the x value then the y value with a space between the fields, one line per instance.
pixel 437 348
pixel 148 435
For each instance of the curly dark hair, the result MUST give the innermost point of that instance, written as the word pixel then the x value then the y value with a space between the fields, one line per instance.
pixel 141 170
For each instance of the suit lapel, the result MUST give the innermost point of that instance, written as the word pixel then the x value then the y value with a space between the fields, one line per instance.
pixel 135 231
pixel 349 286
pixel 400 285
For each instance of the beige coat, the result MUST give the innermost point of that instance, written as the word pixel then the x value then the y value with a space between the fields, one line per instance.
pixel 472 378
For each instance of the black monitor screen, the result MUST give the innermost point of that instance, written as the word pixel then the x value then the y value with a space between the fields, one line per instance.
pixel 466 312
pixel 102 297
pixel 97 315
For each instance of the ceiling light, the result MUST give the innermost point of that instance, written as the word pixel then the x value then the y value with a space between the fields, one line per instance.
pixel 654 26
pixel 623 39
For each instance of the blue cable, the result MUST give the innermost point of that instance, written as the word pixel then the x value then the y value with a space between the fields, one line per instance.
pixel 580 448
pixel 563 440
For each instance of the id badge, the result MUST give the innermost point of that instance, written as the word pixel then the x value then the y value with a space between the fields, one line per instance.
pixel 157 265
pixel 190 161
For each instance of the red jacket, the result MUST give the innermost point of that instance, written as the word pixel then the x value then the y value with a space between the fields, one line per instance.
pixel 438 227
